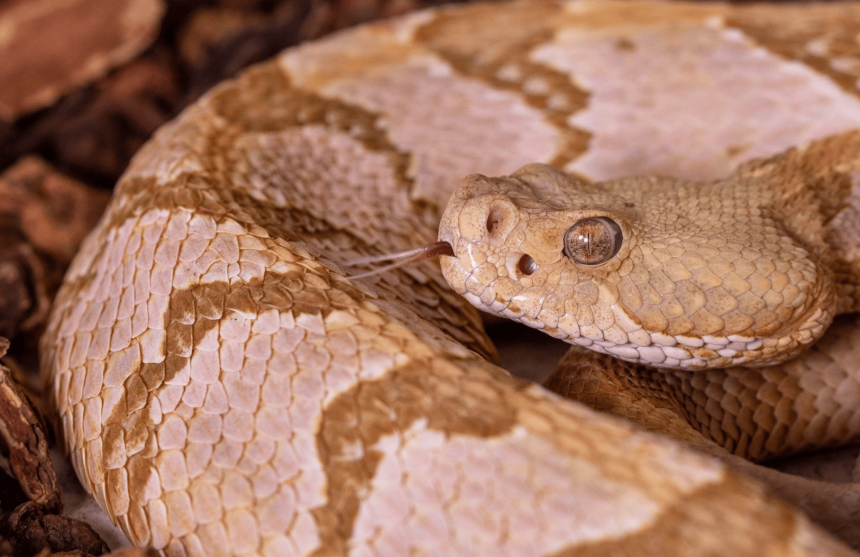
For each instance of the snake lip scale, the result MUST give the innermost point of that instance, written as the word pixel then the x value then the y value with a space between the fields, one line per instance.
pixel 225 388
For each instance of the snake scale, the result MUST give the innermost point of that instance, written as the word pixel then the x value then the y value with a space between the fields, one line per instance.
pixel 225 389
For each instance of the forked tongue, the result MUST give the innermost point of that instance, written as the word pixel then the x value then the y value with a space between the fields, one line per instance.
pixel 401 258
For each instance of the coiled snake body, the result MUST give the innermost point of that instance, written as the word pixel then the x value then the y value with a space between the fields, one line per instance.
pixel 225 390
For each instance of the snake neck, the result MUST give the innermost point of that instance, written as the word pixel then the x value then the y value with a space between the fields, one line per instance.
pixel 816 190
pixel 842 234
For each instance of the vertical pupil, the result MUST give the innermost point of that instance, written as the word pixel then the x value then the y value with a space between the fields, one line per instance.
pixel 592 241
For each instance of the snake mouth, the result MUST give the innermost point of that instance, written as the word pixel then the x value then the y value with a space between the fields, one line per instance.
pixel 438 248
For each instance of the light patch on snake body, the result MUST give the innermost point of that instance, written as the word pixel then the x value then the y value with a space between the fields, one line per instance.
pixel 772 101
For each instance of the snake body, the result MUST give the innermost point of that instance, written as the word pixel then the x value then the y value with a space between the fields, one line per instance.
pixel 225 390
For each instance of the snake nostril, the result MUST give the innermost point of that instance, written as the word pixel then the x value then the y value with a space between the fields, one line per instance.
pixel 527 265
pixel 493 220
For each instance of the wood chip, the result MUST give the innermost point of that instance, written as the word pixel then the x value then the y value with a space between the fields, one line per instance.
pixel 31 530
pixel 209 26
pixel 22 433
pixel 53 212
pixel 44 217
pixel 35 72
pixel 124 552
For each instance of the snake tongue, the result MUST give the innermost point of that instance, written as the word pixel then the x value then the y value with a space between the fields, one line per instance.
pixel 435 249
pixel 403 258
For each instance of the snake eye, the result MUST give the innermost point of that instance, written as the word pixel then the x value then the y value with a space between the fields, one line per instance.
pixel 592 241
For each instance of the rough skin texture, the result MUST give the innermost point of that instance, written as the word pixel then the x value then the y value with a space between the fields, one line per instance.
pixel 224 390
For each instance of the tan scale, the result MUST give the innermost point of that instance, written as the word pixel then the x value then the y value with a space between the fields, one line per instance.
pixel 224 389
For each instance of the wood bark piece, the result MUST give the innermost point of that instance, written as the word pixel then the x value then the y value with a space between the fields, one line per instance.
pixel 124 552
pixel 207 27
pixel 24 302
pixel 53 212
pixel 96 130
pixel 22 433
pixel 87 38
pixel 32 530
pixel 44 217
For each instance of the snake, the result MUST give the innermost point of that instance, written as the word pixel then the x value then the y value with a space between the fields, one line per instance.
pixel 224 387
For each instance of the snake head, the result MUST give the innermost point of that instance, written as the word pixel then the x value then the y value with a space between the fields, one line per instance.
pixel 649 269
